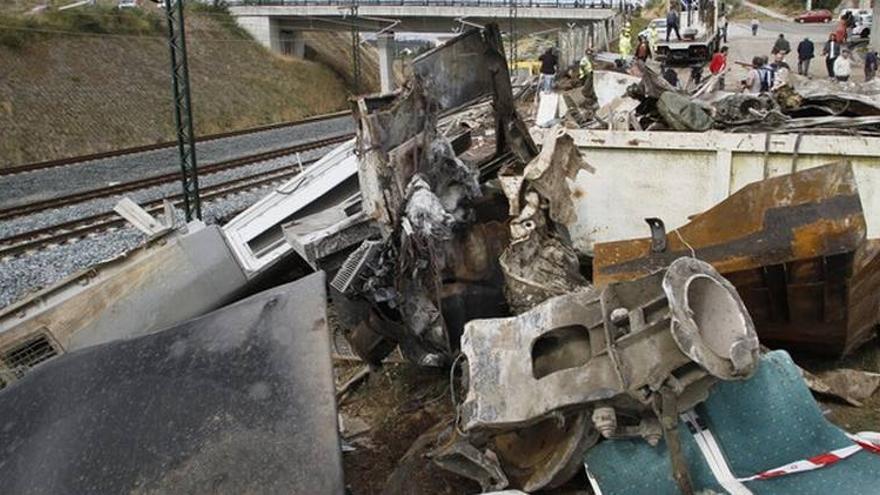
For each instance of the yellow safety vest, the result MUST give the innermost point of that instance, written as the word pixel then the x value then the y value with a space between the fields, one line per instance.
pixel 625 43
pixel 586 67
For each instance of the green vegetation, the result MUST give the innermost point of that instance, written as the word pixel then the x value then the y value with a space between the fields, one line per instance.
pixel 221 16
pixel 637 25
pixel 17 30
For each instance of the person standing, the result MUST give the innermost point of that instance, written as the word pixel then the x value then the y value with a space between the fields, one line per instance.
pixel 722 23
pixel 840 32
pixel 871 61
pixel 752 83
pixel 643 50
pixel 843 66
pixel 806 52
pixel 585 73
pixel 718 65
pixel 831 52
pixel 767 75
pixel 779 61
pixel 624 44
pixel 585 67
pixel 755 24
pixel 652 38
pixel 672 24
pixel 549 64
pixel 781 45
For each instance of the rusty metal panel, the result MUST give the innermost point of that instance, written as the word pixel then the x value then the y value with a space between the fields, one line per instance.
pixel 812 213
pixel 458 71
pixel 863 298
pixel 788 244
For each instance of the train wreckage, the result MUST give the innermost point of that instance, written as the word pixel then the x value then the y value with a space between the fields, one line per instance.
pixel 585 347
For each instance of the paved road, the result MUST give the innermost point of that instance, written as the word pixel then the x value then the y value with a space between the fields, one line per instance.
pixel 744 46
pixel 766 11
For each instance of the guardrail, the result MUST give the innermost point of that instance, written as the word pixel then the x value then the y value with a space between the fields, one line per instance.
pixel 592 4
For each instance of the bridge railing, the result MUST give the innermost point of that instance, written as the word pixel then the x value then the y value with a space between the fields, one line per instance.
pixel 595 4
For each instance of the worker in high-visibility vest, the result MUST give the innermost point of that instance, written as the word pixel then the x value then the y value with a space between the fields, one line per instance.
pixel 624 45
pixel 586 66
pixel 652 38
pixel 585 73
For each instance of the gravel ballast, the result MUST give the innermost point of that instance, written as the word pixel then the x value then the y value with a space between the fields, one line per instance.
pixel 25 274
pixel 48 218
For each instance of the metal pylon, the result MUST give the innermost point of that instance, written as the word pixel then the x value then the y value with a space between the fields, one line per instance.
pixel 355 49
pixel 512 32
pixel 186 140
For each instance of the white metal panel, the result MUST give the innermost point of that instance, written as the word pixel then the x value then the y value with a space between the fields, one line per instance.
pixel 674 175
pixel 270 212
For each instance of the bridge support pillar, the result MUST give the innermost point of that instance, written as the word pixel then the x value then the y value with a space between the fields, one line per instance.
pixel 293 43
pixel 266 30
pixel 385 45
pixel 299 45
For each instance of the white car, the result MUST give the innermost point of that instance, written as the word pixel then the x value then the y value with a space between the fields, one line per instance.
pixel 127 4
pixel 658 25
pixel 863 28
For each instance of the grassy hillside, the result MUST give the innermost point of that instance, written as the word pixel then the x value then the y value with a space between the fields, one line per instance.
pixel 333 49
pixel 98 79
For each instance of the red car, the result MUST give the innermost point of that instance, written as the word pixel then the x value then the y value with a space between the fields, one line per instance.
pixel 814 16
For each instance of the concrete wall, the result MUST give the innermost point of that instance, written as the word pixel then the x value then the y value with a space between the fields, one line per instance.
pixel 673 175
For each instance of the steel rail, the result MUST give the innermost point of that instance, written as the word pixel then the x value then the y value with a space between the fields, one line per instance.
pixel 103 192
pixel 81 227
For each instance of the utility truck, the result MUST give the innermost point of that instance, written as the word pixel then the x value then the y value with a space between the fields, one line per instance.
pixel 700 34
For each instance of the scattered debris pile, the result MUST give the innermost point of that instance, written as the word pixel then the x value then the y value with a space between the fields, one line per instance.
pixel 434 266
pixel 624 361
pixel 475 268
pixel 640 99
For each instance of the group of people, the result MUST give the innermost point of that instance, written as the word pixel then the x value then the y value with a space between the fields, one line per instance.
pixel 838 58
pixel 762 75
pixel 763 72
pixel 644 47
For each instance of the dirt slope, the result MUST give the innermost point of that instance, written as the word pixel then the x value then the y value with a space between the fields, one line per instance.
pixel 64 94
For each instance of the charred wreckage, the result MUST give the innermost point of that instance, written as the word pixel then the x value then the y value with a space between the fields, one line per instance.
pixel 456 233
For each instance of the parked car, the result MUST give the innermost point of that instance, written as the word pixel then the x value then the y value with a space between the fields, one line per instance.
pixel 856 13
pixel 127 4
pixel 863 28
pixel 659 25
pixel 821 15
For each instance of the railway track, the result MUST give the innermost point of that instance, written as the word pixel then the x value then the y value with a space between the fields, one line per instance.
pixel 157 146
pixel 102 222
pixel 109 191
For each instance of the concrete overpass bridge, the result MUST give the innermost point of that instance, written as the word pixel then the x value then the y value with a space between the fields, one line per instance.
pixel 276 23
